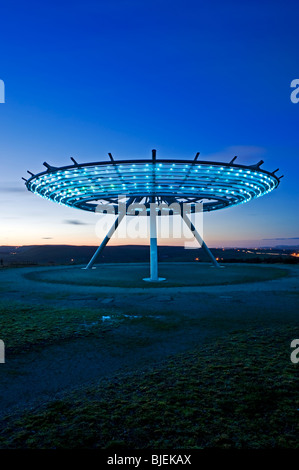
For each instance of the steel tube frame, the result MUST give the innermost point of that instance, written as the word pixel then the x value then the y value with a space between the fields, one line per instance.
pixel 200 240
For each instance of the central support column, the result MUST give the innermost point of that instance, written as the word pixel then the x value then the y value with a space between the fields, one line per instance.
pixel 153 246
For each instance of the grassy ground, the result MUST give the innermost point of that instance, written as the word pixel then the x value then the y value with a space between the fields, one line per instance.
pixel 209 368
pixel 25 326
pixel 176 274
pixel 240 392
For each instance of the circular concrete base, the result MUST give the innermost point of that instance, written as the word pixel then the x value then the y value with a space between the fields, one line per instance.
pixel 174 274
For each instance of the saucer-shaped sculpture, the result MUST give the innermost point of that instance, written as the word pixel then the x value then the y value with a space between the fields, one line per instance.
pixel 215 185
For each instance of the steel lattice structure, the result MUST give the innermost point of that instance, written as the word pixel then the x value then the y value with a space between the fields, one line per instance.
pixel 215 184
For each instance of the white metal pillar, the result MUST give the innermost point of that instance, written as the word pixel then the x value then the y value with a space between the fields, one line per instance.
pixel 154 277
pixel 153 245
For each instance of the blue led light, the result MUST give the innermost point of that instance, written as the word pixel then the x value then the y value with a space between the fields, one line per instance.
pixel 79 187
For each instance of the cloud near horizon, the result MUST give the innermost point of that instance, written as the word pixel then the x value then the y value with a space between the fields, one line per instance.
pixel 283 238
pixel 74 222
pixel 13 188
pixel 247 152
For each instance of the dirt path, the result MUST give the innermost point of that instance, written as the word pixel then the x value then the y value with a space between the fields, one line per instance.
pixel 34 377
pixel 41 375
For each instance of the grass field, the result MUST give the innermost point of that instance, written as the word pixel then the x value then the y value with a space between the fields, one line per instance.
pixel 240 393
pixel 27 326
pixel 176 274
pixel 204 369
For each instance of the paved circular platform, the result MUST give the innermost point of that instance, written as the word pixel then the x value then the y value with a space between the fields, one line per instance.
pixel 130 275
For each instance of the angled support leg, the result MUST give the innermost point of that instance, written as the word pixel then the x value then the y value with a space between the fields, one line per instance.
pixel 107 238
pixel 200 241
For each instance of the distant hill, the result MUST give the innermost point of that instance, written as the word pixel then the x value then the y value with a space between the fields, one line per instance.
pixel 70 254
pixel 287 247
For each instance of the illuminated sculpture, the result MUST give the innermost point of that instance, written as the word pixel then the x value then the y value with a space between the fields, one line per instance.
pixel 216 185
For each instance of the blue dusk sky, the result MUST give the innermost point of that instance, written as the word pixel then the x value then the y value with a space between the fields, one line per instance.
pixel 86 78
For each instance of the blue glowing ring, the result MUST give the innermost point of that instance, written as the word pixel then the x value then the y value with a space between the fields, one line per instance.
pixel 217 185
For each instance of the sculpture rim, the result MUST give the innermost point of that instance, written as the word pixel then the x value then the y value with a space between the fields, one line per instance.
pixel 217 184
